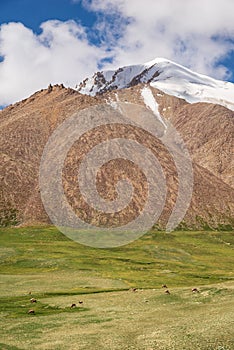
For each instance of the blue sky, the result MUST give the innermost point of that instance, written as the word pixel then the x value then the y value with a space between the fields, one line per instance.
pixel 32 12
pixel 53 41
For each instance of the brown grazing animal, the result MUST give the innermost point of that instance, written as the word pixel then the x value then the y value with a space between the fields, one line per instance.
pixel 73 305
pixel 31 312
pixel 33 300
pixel 167 292
pixel 80 302
pixel 195 290
pixel 164 286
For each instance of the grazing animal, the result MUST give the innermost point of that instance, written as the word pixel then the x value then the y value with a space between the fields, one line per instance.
pixel 80 302
pixel 134 290
pixel 33 300
pixel 164 286
pixel 167 292
pixel 195 290
pixel 73 305
pixel 31 312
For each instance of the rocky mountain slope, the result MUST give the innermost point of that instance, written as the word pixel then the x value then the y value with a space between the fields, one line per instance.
pixel 206 128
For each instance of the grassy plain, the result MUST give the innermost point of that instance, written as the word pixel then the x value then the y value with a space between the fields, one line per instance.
pixel 58 272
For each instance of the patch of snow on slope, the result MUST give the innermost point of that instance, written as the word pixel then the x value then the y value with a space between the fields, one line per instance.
pixel 114 103
pixel 151 103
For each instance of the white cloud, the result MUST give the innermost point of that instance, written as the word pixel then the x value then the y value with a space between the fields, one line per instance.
pixel 195 33
pixel 61 53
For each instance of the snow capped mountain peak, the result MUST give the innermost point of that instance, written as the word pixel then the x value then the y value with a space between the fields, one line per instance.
pixel 157 60
pixel 166 76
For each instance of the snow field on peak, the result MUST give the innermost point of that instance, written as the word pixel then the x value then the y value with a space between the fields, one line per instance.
pixel 167 76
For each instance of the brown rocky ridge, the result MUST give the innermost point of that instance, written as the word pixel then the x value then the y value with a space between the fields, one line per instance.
pixel 207 130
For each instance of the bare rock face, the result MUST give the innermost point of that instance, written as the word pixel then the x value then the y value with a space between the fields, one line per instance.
pixel 24 131
pixel 206 129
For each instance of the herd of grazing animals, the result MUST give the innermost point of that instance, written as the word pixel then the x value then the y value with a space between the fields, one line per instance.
pixel 73 305
pixel 33 301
